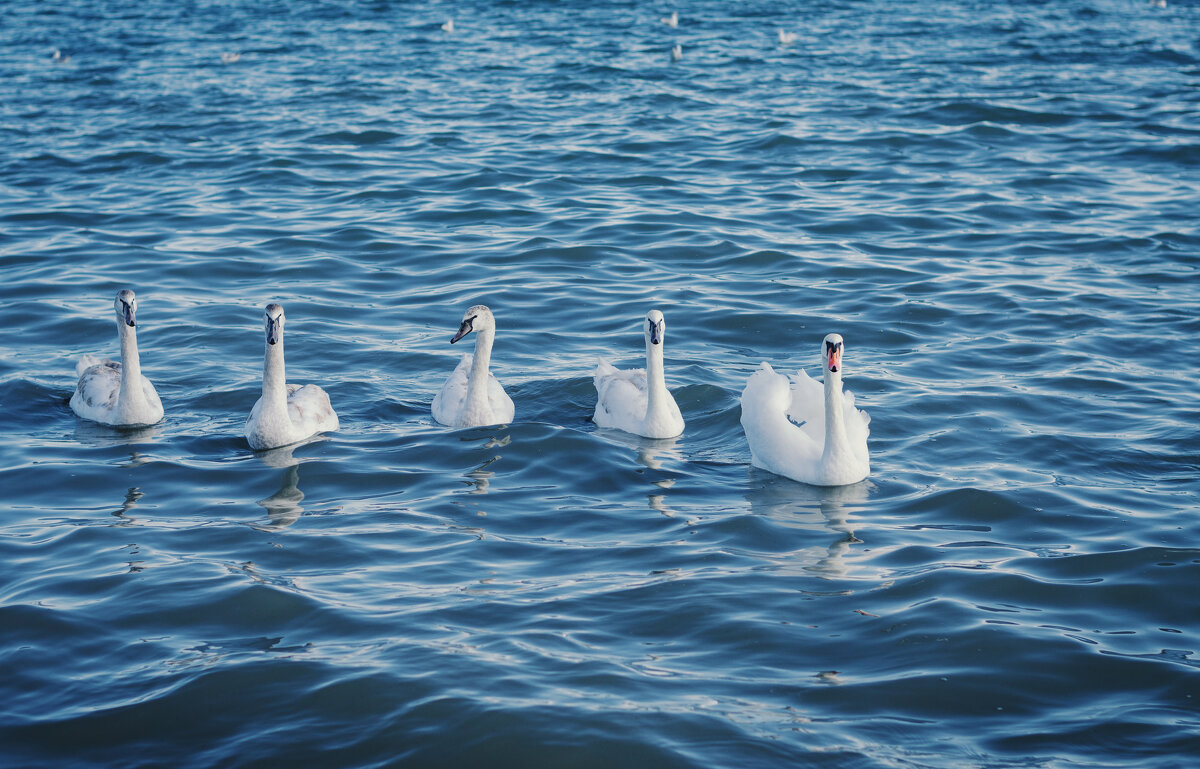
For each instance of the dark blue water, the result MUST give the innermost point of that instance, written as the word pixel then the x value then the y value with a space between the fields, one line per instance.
pixel 994 203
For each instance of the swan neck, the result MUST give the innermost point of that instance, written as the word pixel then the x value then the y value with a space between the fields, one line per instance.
pixel 835 421
pixel 274 392
pixel 656 384
pixel 477 384
pixel 131 366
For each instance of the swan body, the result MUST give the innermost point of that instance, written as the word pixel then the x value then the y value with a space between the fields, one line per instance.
pixel 286 413
pixel 803 430
pixel 116 393
pixel 472 396
pixel 637 400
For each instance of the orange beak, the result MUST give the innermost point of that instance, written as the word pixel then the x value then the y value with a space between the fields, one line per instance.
pixel 835 358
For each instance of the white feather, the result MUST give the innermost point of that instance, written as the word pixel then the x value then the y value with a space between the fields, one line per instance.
pixel 471 395
pixel 623 397
pixel 805 430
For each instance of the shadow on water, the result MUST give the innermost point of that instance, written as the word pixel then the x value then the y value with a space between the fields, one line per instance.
pixel 800 506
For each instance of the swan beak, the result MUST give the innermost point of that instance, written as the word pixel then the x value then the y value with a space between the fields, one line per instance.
pixel 272 330
pixel 655 333
pixel 833 354
pixel 129 321
pixel 463 330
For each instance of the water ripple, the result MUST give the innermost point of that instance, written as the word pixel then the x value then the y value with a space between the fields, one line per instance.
pixel 993 204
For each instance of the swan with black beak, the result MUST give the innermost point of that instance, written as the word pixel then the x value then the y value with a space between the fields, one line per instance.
pixel 117 393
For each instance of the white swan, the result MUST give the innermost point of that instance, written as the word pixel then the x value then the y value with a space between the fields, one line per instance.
pixel 677 52
pixel 117 393
pixel 637 400
pixel 472 396
pixel 286 413
pixel 448 26
pixel 806 431
pixel 786 38
pixel 671 21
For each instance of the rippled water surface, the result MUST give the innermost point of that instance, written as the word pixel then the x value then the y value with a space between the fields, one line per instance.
pixel 994 203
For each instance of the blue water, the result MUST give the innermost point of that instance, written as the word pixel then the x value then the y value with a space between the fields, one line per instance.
pixel 994 203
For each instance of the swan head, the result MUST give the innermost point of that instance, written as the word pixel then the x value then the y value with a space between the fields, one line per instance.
pixel 126 307
pixel 478 318
pixel 656 327
pixel 831 354
pixel 273 321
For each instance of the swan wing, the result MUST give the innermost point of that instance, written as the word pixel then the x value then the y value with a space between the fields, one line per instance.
pixel 310 410
pixel 253 418
pixel 620 397
pixel 806 409
pixel 85 362
pixel 857 426
pixel 502 405
pixel 449 400
pixel 97 391
pixel 154 408
pixel 776 443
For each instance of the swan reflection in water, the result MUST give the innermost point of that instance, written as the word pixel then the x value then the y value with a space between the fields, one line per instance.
pixel 131 500
pixel 480 478
pixel 819 508
pixel 96 435
pixel 653 454
pixel 283 507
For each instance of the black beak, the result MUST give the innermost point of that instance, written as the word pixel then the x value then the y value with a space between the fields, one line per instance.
pixel 272 330
pixel 655 332
pixel 128 313
pixel 464 329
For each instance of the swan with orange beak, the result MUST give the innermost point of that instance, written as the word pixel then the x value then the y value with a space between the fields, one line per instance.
pixel 803 430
